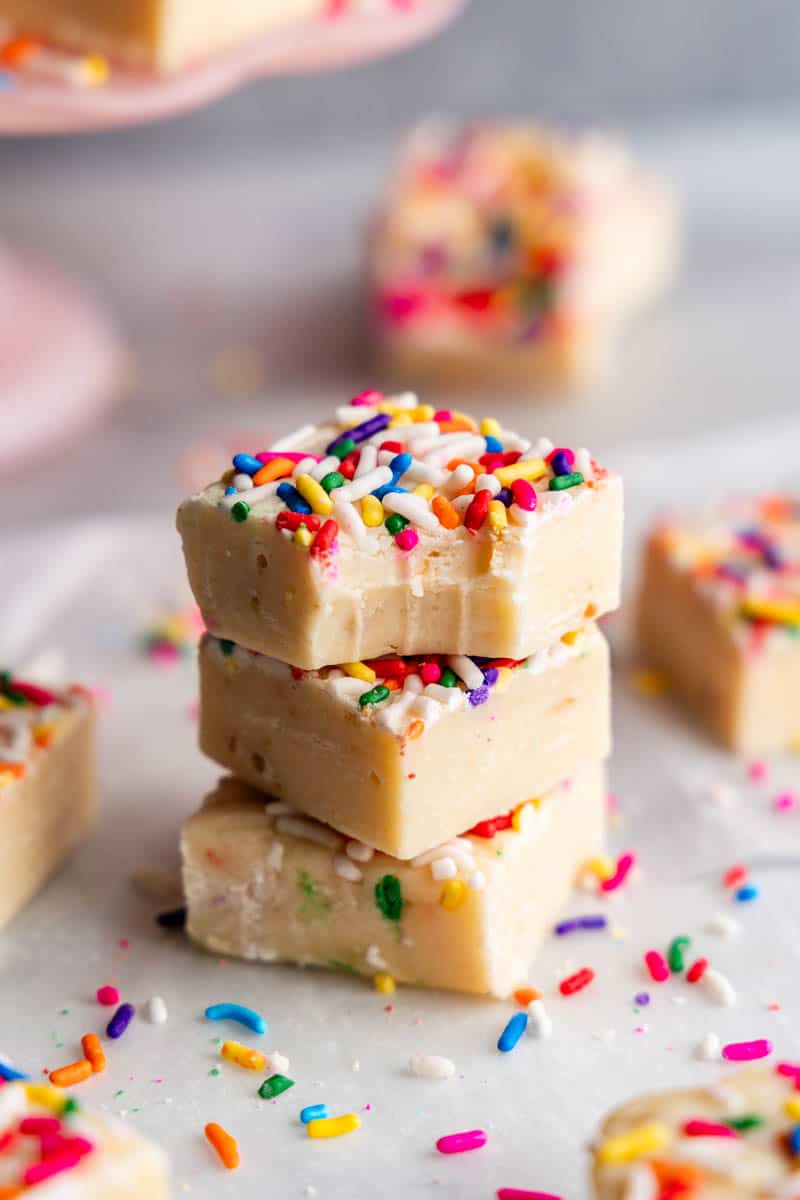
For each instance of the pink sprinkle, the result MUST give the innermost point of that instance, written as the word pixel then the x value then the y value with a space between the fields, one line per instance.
pixel 430 672
pixel 624 864
pixel 785 801
pixel 40 1125
pixel 443 414
pixel 367 399
pixel 407 539
pixel 791 1070
pixel 757 770
pixel 458 1143
pixel 524 494
pixel 51 1166
pixel 699 1128
pixel 164 654
pixel 107 995
pixel 524 1194
pixel 265 456
pixel 656 965
pixel 747 1051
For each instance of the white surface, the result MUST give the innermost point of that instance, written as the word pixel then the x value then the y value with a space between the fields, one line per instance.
pixel 191 280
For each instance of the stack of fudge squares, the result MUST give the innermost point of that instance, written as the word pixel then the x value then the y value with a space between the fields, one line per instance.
pixel 404 676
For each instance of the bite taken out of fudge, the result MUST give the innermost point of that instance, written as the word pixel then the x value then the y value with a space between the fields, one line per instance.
pixel 399 528
pixel 719 615
pixel 262 882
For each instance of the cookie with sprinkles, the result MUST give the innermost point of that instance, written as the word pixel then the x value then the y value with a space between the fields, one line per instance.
pixel 47 783
pixel 738 1140
pixel 398 526
pixel 266 883
pixel 719 617
pixel 405 752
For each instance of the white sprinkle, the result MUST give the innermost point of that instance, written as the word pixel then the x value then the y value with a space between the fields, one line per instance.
pixel 253 496
pixel 367 461
pixel 458 479
pixel 520 516
pixel 293 440
pixel 156 1010
pixel 444 868
pixel 413 508
pixel 277 1063
pixel 310 1191
pixel 310 831
pixel 413 683
pixel 710 1049
pixel 462 503
pixel 539 1023
pixel 359 852
pixel 243 483
pixel 350 415
pixel 488 483
pixel 420 472
pixel 539 449
pixel 641 1184
pixel 583 463
pixel 356 1066
pixel 463 445
pixel 358 488
pixel 347 869
pixel 477 881
pixel 724 925
pixel 719 988
pixel 404 400
pixel 349 518
pixel 278 808
pixel 347 688
pixel 324 467
pixel 274 859
pixel 303 467
pixel 431 1066
pixel 466 670
pixel 373 958
pixel 513 441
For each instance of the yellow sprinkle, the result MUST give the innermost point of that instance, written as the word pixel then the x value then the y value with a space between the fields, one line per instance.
pixel 316 496
pixel 243 1056
pixel 504 675
pixel 423 412
pixel 94 70
pixel 400 418
pixel 569 639
pixel 453 894
pixel 648 682
pixel 498 518
pixel 532 469
pixel 425 490
pixel 600 866
pixel 792 1108
pixel 372 511
pixel 303 535
pixel 490 427
pixel 359 670
pixel 518 815
pixel 328 1127
pixel 46 1096
pixel 384 983
pixel 785 612
pixel 627 1147
pixel 4 703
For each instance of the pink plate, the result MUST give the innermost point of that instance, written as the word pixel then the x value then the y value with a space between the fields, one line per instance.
pixel 60 363
pixel 32 106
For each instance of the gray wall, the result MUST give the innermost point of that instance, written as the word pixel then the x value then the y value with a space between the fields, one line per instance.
pixel 608 61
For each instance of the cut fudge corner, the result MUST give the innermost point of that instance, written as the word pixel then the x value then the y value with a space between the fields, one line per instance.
pixel 265 883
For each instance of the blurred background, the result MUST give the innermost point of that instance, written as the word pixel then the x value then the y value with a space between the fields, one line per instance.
pixel 228 244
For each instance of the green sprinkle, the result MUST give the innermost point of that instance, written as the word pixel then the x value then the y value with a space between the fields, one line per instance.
pixel 227 648
pixel 560 483
pixel 71 1106
pixel 241 511
pixel 334 479
pixel 449 678
pixel 273 1086
pixel 677 953
pixel 745 1122
pixel 214 1071
pixel 374 696
pixel 342 449
pixel 314 902
pixel 395 523
pixel 389 897
pixel 338 965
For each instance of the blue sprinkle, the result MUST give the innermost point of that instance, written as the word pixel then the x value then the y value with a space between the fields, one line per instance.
pixel 385 488
pixel 512 1032
pixel 642 999
pixel 478 695
pixel 246 464
pixel 400 464
pixel 231 491
pixel 506 496
pixel 494 445
pixel 292 498
pixel 794 1141
pixel 10 1074
pixel 314 1112
pixel 748 892
pixel 560 463
pixel 490 676
pixel 237 1012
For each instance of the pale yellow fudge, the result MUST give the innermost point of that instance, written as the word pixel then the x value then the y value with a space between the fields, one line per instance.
pixel 398 528
pixel 719 615
pixel 47 784
pixel 738 1140
pixel 264 883
pixel 53 1153
pixel 509 253
pixel 405 769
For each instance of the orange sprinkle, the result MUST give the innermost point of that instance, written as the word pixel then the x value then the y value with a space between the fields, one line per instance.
pixel 9 1191
pixel 76 1072
pixel 590 611
pixel 458 424
pixel 415 729
pixel 93 1050
pixel 276 468
pixel 392 684
pixel 16 769
pixel 18 51
pixel 526 995
pixel 675 1174
pixel 226 1146
pixel 43 738
pixel 445 513
pixel 464 462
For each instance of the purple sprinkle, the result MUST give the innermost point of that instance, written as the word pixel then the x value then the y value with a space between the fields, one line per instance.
pixel 360 433
pixel 642 999
pixel 562 462
pixel 590 922
pixel 120 1021
pixel 506 496
pixel 490 676
pixel 479 695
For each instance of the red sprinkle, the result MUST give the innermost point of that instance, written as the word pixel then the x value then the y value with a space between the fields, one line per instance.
pixel 524 494
pixel 487 829
pixel 430 672
pixel 624 864
pixel 698 1128
pixel 697 970
pixel 577 982
pixel 656 965
pixel 325 540
pixel 477 512
pixel 40 1125
pixel 395 447
pixel 108 995
pixel 388 668
pixel 734 876
pixel 293 520
pixel 34 694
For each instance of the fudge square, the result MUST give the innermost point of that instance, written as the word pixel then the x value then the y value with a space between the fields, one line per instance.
pixel 47 784
pixel 719 615
pixel 405 529
pixel 730 1141
pixel 54 1147
pixel 509 253
pixel 407 768
pixel 263 882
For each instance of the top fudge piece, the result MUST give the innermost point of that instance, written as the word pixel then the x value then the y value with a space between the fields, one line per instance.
pixel 511 252
pixel 57 1152
pixel 719 614
pixel 727 1142
pixel 398 528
